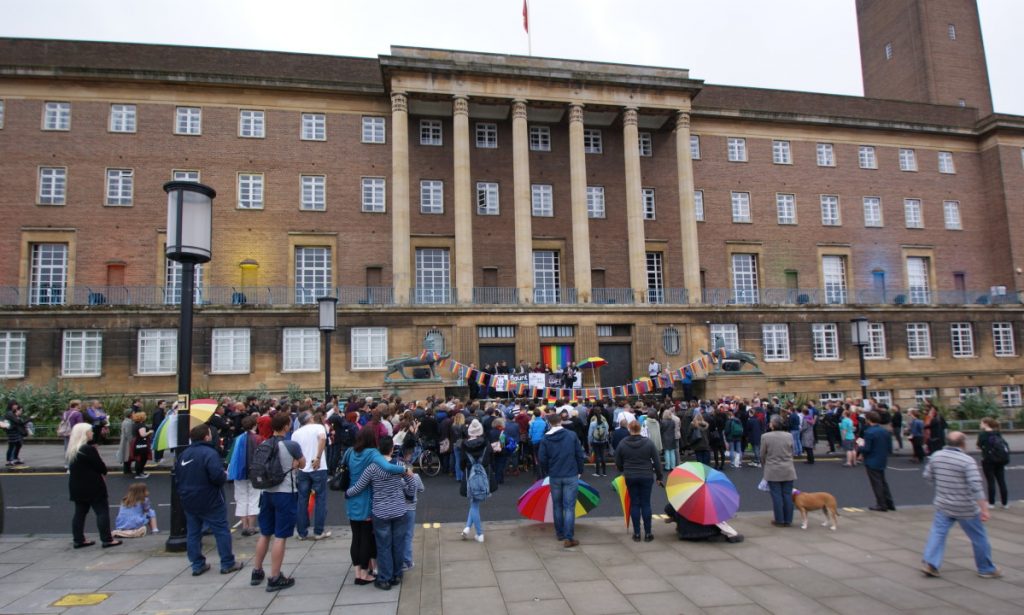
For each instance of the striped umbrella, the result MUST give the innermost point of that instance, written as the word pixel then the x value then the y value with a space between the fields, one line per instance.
pixel 535 503
pixel 166 435
pixel 702 494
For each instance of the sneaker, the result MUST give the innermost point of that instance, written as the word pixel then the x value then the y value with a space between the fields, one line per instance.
pixel 196 573
pixel 301 537
pixel 257 577
pixel 596 474
pixel 465 533
pixel 409 566
pixel 233 568
pixel 995 574
pixel 649 538
pixel 568 544
pixel 322 535
pixel 279 583
pixel 10 464
pixel 480 538
pixel 931 571
pixel 141 476
pixel 1005 506
pixel 154 531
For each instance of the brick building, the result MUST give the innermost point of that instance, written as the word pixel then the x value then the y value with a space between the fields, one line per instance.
pixel 504 207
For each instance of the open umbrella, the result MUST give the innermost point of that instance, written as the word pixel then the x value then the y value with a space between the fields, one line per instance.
pixel 166 435
pixel 702 494
pixel 593 363
pixel 535 503
pixel 619 485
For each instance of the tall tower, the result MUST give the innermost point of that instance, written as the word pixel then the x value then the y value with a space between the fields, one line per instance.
pixel 924 51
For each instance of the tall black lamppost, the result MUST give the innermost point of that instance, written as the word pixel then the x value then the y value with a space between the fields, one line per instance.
pixel 189 237
pixel 328 323
pixel 860 334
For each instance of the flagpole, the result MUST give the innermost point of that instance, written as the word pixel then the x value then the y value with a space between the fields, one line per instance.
pixel 526 26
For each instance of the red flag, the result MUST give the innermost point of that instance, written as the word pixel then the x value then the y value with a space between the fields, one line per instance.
pixel 526 17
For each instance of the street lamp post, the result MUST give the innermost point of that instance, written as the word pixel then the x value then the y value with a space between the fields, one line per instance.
pixel 189 238
pixel 860 334
pixel 328 323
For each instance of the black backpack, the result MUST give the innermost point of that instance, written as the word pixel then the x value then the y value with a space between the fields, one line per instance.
pixel 996 450
pixel 265 470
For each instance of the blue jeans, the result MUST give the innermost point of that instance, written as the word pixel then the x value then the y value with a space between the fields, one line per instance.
pixel 410 529
pixel 798 448
pixel 756 448
pixel 639 489
pixel 500 461
pixel 473 520
pixel 670 458
pixel 703 457
pixel 458 462
pixel 782 500
pixel 305 482
pixel 736 450
pixel 975 530
pixel 390 536
pixel 563 505
pixel 217 522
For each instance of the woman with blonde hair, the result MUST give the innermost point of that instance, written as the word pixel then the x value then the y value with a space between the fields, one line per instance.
pixel 87 487
pixel 140 444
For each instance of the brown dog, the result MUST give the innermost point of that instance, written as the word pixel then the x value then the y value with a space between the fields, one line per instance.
pixel 822 501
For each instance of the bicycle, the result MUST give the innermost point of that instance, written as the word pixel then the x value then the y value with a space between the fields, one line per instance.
pixel 427 460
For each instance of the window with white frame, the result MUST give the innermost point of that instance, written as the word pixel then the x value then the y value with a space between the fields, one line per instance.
pixel 830 396
pixel 698 205
pixel 912 213
pixel 595 202
pixel 605 331
pixel 951 32
pixel 775 339
pixel 946 163
pixel 373 195
pixel 833 274
pixel 120 185
pixel 908 159
pixel 830 210
pixel 785 206
pixel 647 194
pixel 431 196
pixel 1011 395
pixel 781 153
pixel 172 282
pixel 966 392
pixel 888 51
pixel 875 348
pixel 2 108
pixel 181 175
pixel 301 349
pixel 744 279
pixel 740 206
pixel 826 155
pixel 57 116
pixel 1002 339
pixel 918 279
pixel 496 331
pixel 430 132
pixel 251 124
pixel 12 354
pixel 728 334
pixel 737 149
pixel 542 200
pixel 872 211
pixel 313 278
pixel 83 353
pixel 188 121
pixel 486 135
pixel 487 203
pixel 373 129
pixel 695 147
pixel 882 397
pixel 314 127
pixel 122 118
pixel 433 275
pixel 546 276
pixel 369 347
pixel 923 396
pixel 53 183
pixel 314 192
pixel 951 215
pixel 230 351
pixel 866 157
pixel 556 331
pixel 826 340
pixel 655 277
pixel 48 274
pixel 540 138
pixel 157 352
pixel 919 340
pixel 250 190
pixel 961 335
pixel 592 141
pixel 646 144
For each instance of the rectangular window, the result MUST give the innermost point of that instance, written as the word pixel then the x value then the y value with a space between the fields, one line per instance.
pixel 645 143
pixel 250 191
pixel 830 396
pixel 301 349
pixel 433 275
pixel 179 175
pixel 872 211
pixel 540 138
pixel 487 201
pixel 737 149
pixel 966 392
pixel 172 283
pixel 728 334
pixel 83 353
pixel 48 276
pixel 431 196
pixel 781 153
pixel 605 331
pixel 157 352
pixel 486 135
pixel 923 396
pixel 1 113
pixel 314 192
pixel 888 51
pixel 826 340
pixel 912 213
pixel 373 195
pixel 369 347
pixel 946 163
pixel 785 206
pixel 951 32
pixel 866 157
pixel 775 339
pixel 648 197
pixel 882 397
pixel 251 124
pixel 830 210
pixel 57 116
pixel 430 132
pixel 188 121
pixel 496 331
pixel 556 331
pixel 592 141
pixel 655 277
pixel 826 155
pixel 53 182
pixel 595 202
pixel 120 183
pixel 919 340
pixel 695 147
pixel 122 118
pixel 951 215
pixel 312 273
pixel 542 200
pixel 918 280
pixel 230 350
pixel 1011 395
pixel 698 205
pixel 546 276
pixel 314 127
pixel 908 159
pixel 744 279
pixel 961 335
pixel 741 207
pixel 12 354
pixel 875 348
pixel 373 129
pixel 1002 339
pixel 833 273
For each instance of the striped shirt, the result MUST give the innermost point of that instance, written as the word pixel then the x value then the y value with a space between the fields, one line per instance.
pixel 390 491
pixel 958 486
pixel 410 503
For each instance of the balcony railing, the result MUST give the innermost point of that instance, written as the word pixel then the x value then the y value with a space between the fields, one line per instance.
pixel 605 296
pixel 835 296
pixel 554 296
pixel 434 296
pixel 495 295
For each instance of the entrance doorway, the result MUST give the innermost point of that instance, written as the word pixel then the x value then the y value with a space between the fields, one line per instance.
pixel 619 370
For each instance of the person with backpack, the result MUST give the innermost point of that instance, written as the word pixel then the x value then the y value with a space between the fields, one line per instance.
pixel 477 460
pixel 696 435
pixel 995 454
pixel 599 435
pixel 754 429
pixel 734 437
pixel 561 459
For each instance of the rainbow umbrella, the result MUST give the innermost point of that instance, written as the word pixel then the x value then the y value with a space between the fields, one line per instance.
pixel 535 503
pixel 593 363
pixel 619 485
pixel 166 435
pixel 702 494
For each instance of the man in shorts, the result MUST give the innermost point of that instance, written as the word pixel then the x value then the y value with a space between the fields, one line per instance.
pixel 277 509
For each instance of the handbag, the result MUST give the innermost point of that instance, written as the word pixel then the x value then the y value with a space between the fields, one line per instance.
pixel 342 478
pixel 446 445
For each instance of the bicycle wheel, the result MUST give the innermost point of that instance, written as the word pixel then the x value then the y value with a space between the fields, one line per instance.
pixel 430 463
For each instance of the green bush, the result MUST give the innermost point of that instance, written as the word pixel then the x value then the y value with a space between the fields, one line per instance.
pixel 977 407
pixel 45 403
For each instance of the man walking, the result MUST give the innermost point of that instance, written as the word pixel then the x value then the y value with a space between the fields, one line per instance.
pixel 959 497
pixel 312 439
pixel 876 445
pixel 277 509
pixel 201 475
pixel 561 460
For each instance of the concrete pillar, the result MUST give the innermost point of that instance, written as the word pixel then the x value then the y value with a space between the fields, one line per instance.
pixel 637 245
pixel 580 222
pixel 463 201
pixel 522 202
pixel 687 215
pixel 400 267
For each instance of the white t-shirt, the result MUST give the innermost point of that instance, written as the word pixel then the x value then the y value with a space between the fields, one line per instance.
pixel 307 437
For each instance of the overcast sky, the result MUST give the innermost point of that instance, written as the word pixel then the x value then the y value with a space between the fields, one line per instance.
pixel 806 45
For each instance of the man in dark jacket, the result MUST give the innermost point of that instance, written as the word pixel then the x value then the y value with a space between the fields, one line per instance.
pixel 201 475
pixel 875 445
pixel 561 459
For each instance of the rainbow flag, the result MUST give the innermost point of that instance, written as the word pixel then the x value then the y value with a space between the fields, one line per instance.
pixel 556 356
pixel 482 378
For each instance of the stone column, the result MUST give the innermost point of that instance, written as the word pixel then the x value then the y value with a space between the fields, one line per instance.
pixel 687 215
pixel 637 244
pixel 400 268
pixel 522 202
pixel 463 201
pixel 580 222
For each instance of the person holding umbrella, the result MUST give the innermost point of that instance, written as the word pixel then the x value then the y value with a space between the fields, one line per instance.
pixel 638 461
